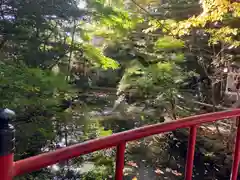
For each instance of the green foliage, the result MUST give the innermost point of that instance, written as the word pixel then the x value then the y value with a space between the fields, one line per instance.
pixel 99 173
pixel 152 50
pixel 155 77
pixel 168 42
pixel 113 16
pixel 96 56
pixel 44 37
pixel 94 129
pixel 30 92
pixel 105 132
pixel 36 176
pixel 27 86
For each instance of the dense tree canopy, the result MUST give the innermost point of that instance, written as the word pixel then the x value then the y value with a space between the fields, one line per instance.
pixel 154 53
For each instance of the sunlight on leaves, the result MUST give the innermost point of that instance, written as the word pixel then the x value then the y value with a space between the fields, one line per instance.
pixel 168 42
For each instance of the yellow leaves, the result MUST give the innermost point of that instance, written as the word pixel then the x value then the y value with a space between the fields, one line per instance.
pixel 150 29
pixel 215 13
pixel 216 10
pixel 183 28
pixel 209 5
pixel 222 11
pixel 235 8
pixel 134 178
pixel 224 34
pixel 154 22
pixel 154 25
pixel 224 30
pixel 165 25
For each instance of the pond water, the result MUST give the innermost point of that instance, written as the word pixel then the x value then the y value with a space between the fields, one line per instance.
pixel 159 157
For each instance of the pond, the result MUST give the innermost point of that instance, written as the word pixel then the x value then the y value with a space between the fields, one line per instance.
pixel 157 157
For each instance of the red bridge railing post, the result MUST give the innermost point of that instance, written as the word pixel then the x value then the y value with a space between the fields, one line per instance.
pixel 6 167
pixel 190 152
pixel 120 161
pixel 119 139
pixel 7 140
pixel 236 156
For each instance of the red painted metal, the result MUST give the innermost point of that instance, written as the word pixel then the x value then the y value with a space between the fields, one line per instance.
pixel 120 161
pixel 50 158
pixel 190 153
pixel 236 157
pixel 6 167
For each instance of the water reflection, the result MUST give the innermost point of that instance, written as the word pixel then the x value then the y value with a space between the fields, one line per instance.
pixel 157 157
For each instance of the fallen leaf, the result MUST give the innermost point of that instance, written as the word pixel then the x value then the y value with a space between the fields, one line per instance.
pixel 135 178
pixel 133 164
pixel 158 171
pixel 176 173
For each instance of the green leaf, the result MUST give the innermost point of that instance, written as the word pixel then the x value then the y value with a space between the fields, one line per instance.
pixel 168 42
pixel 104 132
pixel 96 56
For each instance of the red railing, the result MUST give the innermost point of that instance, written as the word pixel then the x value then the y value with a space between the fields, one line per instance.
pixel 28 165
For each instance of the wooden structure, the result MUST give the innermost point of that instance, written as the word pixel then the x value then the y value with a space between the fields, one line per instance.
pixel 233 82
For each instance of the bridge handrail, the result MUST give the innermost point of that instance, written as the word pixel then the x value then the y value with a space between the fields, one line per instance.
pixel 120 139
